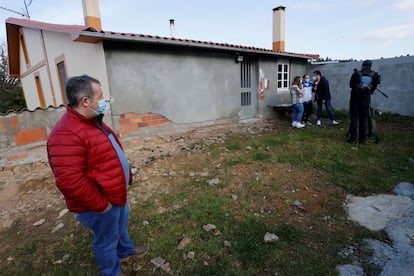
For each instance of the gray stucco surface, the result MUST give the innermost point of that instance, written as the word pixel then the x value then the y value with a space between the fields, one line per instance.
pixel 175 85
pixel 397 82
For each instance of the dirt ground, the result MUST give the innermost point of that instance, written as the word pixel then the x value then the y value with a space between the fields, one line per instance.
pixel 29 193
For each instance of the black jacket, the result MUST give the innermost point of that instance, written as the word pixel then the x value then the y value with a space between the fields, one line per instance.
pixel 353 82
pixel 322 90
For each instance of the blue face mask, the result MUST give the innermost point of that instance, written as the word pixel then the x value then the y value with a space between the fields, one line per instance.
pixel 101 107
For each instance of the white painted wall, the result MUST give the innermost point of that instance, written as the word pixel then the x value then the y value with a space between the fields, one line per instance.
pixel 80 58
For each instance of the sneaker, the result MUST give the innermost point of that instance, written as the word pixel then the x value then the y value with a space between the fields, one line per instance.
pixel 299 125
pixel 139 251
pixel 308 123
pixel 294 124
pixel 334 123
pixel 318 122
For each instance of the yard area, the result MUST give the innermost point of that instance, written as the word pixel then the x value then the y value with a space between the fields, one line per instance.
pixel 246 180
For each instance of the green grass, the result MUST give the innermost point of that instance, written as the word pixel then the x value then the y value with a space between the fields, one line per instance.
pixel 309 242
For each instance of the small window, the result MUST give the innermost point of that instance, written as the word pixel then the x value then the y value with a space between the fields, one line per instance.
pixel 282 76
pixel 62 79
pixel 25 54
pixel 40 91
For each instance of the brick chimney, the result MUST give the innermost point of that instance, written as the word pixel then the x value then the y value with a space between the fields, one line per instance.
pixel 279 29
pixel 91 14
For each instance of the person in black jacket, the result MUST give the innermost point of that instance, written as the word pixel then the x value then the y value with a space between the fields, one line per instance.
pixel 362 83
pixel 322 96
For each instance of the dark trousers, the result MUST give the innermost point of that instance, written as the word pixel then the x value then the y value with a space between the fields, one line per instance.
pixel 307 108
pixel 358 111
pixel 328 108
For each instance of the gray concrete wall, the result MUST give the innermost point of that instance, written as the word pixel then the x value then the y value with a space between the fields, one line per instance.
pixel 397 82
pixel 183 87
pixel 275 97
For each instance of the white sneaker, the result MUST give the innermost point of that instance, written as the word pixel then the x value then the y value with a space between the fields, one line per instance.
pixel 299 125
pixel 318 122
pixel 294 124
pixel 334 123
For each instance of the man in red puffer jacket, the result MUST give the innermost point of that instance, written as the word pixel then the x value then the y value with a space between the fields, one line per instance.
pixel 92 172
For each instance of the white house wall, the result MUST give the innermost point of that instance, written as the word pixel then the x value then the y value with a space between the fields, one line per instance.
pixel 30 89
pixel 34 47
pixel 184 87
pixel 80 58
pixel 33 42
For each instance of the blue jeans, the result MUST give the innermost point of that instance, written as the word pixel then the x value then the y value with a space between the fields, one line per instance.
pixel 297 112
pixel 328 108
pixel 111 239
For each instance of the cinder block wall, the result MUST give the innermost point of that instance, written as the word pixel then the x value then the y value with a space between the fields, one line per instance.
pixel 396 81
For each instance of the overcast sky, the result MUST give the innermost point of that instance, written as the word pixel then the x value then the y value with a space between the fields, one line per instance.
pixel 331 28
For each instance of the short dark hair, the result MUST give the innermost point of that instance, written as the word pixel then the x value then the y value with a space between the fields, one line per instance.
pixel 317 72
pixel 79 87
pixel 367 63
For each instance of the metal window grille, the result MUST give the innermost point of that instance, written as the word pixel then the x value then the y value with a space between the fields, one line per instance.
pixel 246 82
pixel 246 98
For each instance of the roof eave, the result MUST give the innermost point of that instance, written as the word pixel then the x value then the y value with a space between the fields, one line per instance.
pixel 183 43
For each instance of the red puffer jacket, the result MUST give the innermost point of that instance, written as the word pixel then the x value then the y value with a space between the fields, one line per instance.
pixel 86 166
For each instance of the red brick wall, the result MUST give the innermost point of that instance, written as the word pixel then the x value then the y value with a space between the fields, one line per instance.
pixel 17 133
pixel 131 122
pixel 27 136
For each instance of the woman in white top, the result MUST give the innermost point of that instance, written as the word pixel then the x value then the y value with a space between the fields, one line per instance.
pixel 297 102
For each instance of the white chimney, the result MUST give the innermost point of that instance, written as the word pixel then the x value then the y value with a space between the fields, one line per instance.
pixel 279 29
pixel 91 14
pixel 172 28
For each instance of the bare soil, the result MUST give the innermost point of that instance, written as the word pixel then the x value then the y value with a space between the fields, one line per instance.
pixel 30 194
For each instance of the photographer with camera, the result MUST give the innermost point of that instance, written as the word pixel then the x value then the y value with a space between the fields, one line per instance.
pixel 363 84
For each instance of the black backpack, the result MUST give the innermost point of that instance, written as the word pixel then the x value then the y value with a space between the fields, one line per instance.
pixel 364 85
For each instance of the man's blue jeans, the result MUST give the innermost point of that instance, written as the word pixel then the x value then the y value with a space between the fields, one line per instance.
pixel 328 108
pixel 111 239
